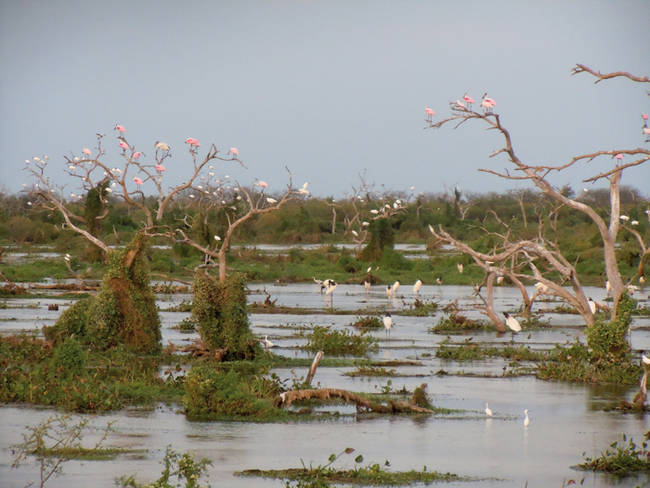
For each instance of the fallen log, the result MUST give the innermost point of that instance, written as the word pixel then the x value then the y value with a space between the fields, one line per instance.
pixel 288 397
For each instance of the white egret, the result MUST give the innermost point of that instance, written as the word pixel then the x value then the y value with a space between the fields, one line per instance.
pixel 512 323
pixel 388 323
pixel 499 280
pixel 369 269
pixel 608 286
pixel 541 287
pixel 624 218
pixel 460 267
pixel 526 419
pixel 396 286
pixel 634 222
pixel 592 305
pixel 271 200
pixel 488 410
pixel 645 359
pixel 417 286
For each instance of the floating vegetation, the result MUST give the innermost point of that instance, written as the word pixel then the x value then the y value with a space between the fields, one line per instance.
pixel 620 460
pixel 374 474
pixel 468 351
pixel 371 371
pixel 368 322
pixel 187 325
pixel 420 308
pixel 455 322
pixel 184 306
pixel 342 343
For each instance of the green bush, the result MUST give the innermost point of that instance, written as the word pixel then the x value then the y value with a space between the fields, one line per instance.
pixel 68 358
pixel 339 342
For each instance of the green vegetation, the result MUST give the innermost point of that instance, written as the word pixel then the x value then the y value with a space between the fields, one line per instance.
pixel 472 352
pixel 219 310
pixel 456 322
pixel 339 342
pixel 325 475
pixel 122 313
pixel 178 469
pixel 620 460
pixel 420 308
pixel 368 322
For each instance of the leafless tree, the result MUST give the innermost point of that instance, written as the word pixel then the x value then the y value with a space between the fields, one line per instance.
pixel 538 175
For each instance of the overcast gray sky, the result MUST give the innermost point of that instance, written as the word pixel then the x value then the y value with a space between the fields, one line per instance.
pixel 327 88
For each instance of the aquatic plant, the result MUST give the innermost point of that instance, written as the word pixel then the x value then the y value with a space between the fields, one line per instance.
pixel 368 322
pixel 621 459
pixel 339 342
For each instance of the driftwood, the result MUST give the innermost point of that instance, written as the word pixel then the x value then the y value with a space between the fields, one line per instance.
pixel 288 397
pixel 314 365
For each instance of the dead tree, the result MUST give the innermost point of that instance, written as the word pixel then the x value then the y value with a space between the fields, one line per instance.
pixel 538 174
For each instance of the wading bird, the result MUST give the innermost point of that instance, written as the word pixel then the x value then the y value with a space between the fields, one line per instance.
pixel 417 286
pixel 645 359
pixel 395 286
pixel 460 267
pixel 429 113
pixel 366 285
pixel 512 323
pixel 439 280
pixel 192 142
pixel 468 100
pixel 120 128
pixel 488 410
pixel 388 323
pixel 267 343
pixel 592 305
pixel 389 292
pixel 526 419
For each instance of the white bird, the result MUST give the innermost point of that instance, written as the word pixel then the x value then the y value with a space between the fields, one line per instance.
pixel 541 287
pixel 396 286
pixel 369 269
pixel 488 410
pixel 642 279
pixel 271 200
pixel 389 292
pixel 460 267
pixel 499 280
pixel 624 218
pixel 512 322
pixel 608 286
pixel 388 323
pixel 417 286
pixel 366 285
pixel 526 419
pixel 439 280
pixel 645 359
pixel 355 233
pixel 631 289
pixel 267 343
pixel 217 238
pixel 634 222
pixel 592 305
pixel 162 146
pixel 330 287
pixel 326 284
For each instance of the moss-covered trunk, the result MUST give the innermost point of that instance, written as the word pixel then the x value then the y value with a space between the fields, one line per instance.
pixel 123 312
pixel 219 309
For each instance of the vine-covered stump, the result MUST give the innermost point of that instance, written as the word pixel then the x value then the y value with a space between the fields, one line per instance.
pixel 219 309
pixel 123 312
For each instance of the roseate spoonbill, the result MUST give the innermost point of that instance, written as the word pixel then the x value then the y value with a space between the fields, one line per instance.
pixel 460 267
pixel 592 305
pixel 162 146
pixel 526 419
pixel 488 410
pixel 120 128
pixel 137 154
pixel 124 145
pixel 417 286
pixel 512 323
pixel 487 103
pixel 160 168
pixel 85 151
pixel 646 132
pixel 137 180
pixel 429 113
pixel 645 119
pixel 459 105
pixel 262 184
pixel 234 151
pixel 388 323
pixel 192 142
pixel 618 157
pixel 468 100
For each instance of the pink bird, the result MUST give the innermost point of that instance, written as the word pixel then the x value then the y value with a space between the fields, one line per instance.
pixel 460 105
pixel 430 113
pixel 120 128
pixel 137 180
pixel 160 168
pixel 468 100
pixel 124 145
pixel 192 142
pixel 644 117
pixel 262 184
pixel 136 155
pixel 487 103
pixel 619 157
pixel 85 151
pixel 234 151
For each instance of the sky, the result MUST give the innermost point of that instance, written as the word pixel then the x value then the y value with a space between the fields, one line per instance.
pixel 329 89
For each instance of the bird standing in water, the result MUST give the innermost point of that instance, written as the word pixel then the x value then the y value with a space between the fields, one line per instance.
pixel 388 323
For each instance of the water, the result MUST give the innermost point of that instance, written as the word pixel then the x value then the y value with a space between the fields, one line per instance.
pixel 565 419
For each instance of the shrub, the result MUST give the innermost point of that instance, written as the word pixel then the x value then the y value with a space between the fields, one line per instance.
pixel 339 342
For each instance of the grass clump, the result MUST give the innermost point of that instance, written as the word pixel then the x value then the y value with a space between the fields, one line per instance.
pixel 374 474
pixel 620 459
pixel 420 308
pixel 342 343
pixel 368 322
pixel 213 394
pixel 456 322
pixel 371 371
